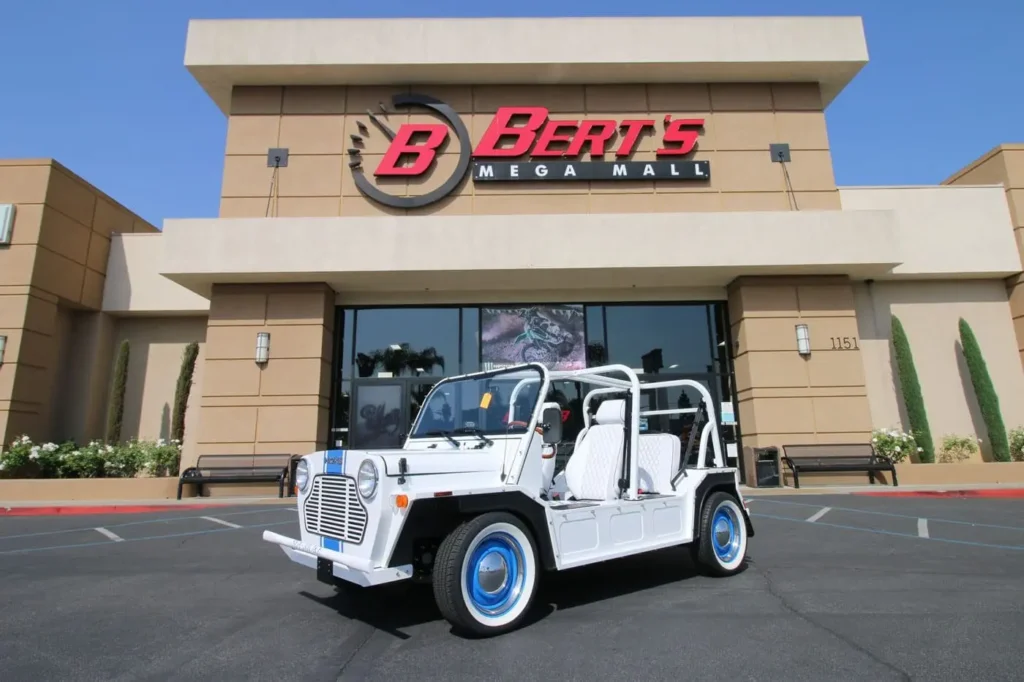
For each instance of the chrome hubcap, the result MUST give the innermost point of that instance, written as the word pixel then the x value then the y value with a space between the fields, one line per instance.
pixel 492 573
pixel 722 532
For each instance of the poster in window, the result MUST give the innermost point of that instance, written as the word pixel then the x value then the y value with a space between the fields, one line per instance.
pixel 552 335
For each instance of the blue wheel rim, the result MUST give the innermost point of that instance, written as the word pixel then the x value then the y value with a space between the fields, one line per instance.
pixel 496 549
pixel 725 534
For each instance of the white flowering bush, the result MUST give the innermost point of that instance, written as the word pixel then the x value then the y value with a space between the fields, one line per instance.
pixel 895 444
pixel 25 459
pixel 1017 444
pixel 956 449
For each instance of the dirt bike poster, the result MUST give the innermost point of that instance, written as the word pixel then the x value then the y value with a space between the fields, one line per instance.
pixel 553 335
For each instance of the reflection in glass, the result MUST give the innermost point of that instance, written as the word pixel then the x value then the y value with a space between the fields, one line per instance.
pixel 342 401
pixel 347 334
pixel 417 394
pixel 378 419
pixel 406 342
pixel 470 340
pixel 659 338
pixel 597 353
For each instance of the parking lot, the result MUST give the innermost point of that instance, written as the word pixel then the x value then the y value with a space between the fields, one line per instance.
pixel 838 587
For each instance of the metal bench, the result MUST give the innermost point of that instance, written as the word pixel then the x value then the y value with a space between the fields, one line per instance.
pixel 274 468
pixel 841 457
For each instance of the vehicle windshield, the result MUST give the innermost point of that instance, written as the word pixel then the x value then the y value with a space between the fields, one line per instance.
pixel 480 405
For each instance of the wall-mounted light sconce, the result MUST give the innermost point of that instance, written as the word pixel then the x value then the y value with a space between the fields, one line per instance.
pixel 803 339
pixel 262 347
pixel 6 223
pixel 3 347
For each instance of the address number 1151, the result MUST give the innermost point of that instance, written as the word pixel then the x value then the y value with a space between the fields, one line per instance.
pixel 844 343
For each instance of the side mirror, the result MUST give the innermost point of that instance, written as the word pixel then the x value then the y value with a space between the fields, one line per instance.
pixel 551 419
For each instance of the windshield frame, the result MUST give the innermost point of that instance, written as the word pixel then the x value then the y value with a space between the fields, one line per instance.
pixel 541 380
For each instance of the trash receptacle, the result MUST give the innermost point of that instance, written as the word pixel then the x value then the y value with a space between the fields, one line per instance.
pixel 766 464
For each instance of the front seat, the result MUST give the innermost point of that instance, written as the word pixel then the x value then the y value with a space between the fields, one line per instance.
pixel 594 470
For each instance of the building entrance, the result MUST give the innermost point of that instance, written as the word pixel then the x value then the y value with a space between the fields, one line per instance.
pixel 388 358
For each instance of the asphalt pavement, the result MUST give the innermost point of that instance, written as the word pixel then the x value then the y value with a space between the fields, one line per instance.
pixel 837 587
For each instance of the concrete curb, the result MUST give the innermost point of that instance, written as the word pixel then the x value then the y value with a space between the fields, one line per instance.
pixel 1009 491
pixel 83 507
pixel 1004 493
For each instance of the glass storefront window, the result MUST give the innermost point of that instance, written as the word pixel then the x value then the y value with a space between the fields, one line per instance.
pixel 400 342
pixel 597 348
pixel 470 340
pixel 659 339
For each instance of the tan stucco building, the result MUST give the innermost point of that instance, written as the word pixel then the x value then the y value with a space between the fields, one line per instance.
pixel 710 257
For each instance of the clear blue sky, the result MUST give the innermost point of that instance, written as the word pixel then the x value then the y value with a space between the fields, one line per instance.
pixel 100 86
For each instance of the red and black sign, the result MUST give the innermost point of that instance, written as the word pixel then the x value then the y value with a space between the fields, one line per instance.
pixel 554 149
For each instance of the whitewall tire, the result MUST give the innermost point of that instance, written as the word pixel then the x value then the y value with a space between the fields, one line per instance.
pixel 486 574
pixel 721 546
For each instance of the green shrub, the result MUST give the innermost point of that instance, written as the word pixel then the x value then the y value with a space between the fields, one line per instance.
pixel 115 412
pixel 182 390
pixel 894 444
pixel 913 399
pixel 25 459
pixel 957 449
pixel 1017 444
pixel 985 392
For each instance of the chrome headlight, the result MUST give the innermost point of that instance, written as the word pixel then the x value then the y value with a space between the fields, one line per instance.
pixel 366 479
pixel 302 475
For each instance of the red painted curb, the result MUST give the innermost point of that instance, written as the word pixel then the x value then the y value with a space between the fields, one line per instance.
pixel 1011 493
pixel 103 509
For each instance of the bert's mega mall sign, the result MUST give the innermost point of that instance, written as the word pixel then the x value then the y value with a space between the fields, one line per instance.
pixel 543 149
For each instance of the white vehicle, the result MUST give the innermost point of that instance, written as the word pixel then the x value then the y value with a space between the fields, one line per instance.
pixel 472 502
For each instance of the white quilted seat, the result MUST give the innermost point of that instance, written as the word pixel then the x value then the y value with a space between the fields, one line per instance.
pixel 593 471
pixel 658 462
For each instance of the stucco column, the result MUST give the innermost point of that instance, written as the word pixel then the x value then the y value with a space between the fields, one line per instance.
pixel 786 398
pixel 281 407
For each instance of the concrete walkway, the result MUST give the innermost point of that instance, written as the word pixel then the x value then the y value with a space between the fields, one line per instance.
pixel 48 507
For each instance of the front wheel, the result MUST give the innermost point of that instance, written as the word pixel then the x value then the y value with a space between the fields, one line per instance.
pixel 486 574
pixel 722 545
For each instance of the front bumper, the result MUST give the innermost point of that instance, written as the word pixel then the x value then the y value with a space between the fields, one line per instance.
pixel 348 568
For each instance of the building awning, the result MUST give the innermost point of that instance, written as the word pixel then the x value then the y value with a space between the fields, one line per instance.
pixel 519 253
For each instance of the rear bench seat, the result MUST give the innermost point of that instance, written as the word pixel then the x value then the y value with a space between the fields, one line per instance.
pixel 660 454
pixel 593 470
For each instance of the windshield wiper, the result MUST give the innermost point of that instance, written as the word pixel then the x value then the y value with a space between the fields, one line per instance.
pixel 446 434
pixel 475 432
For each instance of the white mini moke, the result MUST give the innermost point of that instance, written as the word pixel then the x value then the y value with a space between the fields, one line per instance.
pixel 472 502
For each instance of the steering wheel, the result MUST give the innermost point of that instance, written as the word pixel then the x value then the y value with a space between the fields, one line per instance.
pixel 518 423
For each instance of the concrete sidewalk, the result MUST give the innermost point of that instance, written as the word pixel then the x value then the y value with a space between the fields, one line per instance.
pixel 996 490
pixel 55 507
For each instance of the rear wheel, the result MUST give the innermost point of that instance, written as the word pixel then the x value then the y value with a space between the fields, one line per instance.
pixel 486 574
pixel 722 545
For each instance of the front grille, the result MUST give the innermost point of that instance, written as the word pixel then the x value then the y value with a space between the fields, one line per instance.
pixel 333 509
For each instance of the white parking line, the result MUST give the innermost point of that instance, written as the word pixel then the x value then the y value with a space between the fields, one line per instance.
pixel 818 514
pixel 221 522
pixel 109 534
pixel 922 528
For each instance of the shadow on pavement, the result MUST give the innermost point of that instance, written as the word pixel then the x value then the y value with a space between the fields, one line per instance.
pixel 391 608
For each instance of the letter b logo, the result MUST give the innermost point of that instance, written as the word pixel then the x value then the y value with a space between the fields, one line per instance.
pixel 424 152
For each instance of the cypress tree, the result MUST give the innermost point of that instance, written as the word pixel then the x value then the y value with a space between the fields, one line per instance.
pixel 913 399
pixel 985 392
pixel 182 390
pixel 115 413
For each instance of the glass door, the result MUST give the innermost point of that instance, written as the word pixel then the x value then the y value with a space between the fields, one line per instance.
pixel 379 415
